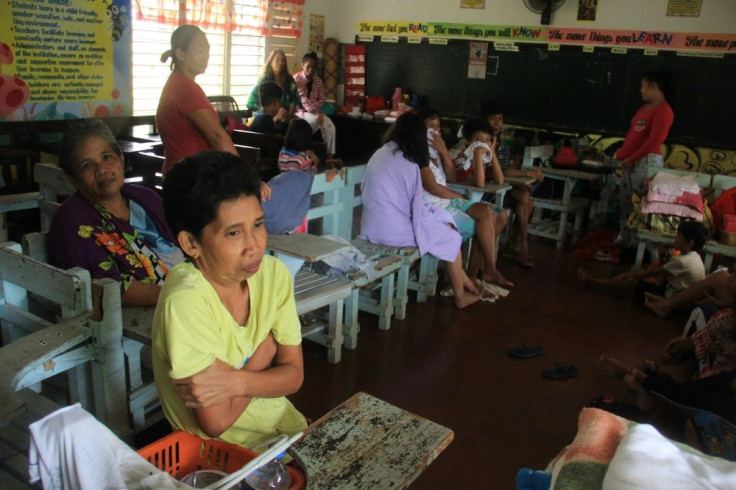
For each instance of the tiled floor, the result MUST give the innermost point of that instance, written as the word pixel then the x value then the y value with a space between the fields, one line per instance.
pixel 452 367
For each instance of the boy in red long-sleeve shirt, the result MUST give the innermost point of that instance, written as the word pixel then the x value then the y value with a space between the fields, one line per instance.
pixel 643 142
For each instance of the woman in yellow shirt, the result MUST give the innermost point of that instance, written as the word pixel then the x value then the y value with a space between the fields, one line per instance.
pixel 226 336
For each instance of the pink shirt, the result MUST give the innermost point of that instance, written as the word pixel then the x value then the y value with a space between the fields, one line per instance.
pixel 180 97
pixel 316 98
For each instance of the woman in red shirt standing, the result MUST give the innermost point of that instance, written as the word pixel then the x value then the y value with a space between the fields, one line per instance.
pixel 642 146
pixel 185 118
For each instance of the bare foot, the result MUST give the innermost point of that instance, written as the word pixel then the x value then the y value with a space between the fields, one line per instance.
pixel 613 367
pixel 644 399
pixel 656 304
pixel 466 299
pixel 498 279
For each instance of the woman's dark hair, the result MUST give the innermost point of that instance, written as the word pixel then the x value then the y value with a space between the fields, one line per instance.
pixel 310 56
pixel 664 81
pixel 490 108
pixel 693 231
pixel 181 38
pixel 427 112
pixel 298 136
pixel 75 136
pixel 267 72
pixel 195 187
pixel 410 133
pixel 472 126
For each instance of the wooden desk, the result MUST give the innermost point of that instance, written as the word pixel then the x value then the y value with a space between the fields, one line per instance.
pixel 566 205
pixel 475 194
pixel 519 179
pixel 311 248
pixel 368 443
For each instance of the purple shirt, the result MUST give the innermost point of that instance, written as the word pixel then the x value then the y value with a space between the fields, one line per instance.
pixel 79 236
pixel 394 212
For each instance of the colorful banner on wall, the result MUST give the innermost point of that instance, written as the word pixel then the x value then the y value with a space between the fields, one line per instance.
pixel 680 41
pixel 65 60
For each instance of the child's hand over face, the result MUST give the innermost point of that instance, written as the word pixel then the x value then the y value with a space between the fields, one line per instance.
pixel 312 156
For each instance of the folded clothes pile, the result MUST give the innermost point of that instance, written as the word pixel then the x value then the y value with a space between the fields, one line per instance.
pixel 674 195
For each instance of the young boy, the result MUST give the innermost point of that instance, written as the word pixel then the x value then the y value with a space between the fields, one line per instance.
pixel 680 272
pixel 269 95
pixel 477 163
pixel 519 198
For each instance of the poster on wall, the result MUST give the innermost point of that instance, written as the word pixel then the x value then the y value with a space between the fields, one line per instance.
pixel 477 60
pixel 587 9
pixel 472 4
pixel 684 8
pixel 65 60
pixel 316 32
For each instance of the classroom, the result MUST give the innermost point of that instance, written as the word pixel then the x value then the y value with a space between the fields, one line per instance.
pixel 297 288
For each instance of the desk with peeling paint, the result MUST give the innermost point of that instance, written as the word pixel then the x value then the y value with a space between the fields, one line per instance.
pixel 368 443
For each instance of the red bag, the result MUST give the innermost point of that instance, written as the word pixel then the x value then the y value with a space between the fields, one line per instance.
pixel 725 204
pixel 374 103
pixel 566 156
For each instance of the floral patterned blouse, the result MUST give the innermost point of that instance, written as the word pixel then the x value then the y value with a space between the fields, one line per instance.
pixel 84 234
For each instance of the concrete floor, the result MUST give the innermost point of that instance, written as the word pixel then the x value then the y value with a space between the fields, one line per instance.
pixel 452 367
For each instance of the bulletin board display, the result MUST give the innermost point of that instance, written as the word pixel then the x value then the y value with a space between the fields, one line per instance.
pixel 65 59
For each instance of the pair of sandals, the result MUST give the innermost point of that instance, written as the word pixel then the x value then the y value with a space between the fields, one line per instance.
pixel 520 258
pixel 557 371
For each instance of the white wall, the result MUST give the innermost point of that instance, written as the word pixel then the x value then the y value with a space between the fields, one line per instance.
pixel 341 16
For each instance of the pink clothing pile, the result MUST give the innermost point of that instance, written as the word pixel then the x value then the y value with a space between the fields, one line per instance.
pixel 674 195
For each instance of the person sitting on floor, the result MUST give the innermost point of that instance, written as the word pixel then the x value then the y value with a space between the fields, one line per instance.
pixel 482 220
pixel 112 229
pixel 295 154
pixel 717 288
pixel 269 95
pixel 679 272
pixel 226 336
pixel 704 355
pixel 394 212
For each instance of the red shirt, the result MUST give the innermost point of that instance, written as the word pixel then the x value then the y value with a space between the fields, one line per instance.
pixel 649 129
pixel 180 97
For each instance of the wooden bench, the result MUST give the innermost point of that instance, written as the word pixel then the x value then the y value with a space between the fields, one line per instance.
pixel 712 247
pixel 557 229
pixel 15 202
pixel 53 189
pixel 15 440
pixel 52 322
pixel 142 398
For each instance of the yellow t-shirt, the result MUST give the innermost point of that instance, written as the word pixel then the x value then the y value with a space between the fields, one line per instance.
pixel 192 328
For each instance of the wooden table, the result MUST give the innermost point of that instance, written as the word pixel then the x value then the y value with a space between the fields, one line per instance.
pixel 566 205
pixel 368 443
pixel 311 248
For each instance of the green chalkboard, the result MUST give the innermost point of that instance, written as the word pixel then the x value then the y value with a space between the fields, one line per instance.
pixel 564 90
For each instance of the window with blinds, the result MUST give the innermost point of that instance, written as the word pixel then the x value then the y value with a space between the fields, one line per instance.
pixel 236 58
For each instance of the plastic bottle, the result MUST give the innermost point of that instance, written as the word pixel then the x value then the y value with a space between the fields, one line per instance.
pixel 271 476
pixel 396 99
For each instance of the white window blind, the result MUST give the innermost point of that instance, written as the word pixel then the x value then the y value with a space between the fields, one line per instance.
pixel 236 56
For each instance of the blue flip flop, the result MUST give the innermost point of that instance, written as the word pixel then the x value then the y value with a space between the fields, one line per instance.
pixel 561 370
pixel 524 351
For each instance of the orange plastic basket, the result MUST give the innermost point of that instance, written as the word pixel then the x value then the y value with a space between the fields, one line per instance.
pixel 182 453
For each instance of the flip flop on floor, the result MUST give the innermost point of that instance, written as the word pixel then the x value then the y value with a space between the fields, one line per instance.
pixel 561 370
pixel 610 404
pixel 525 351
